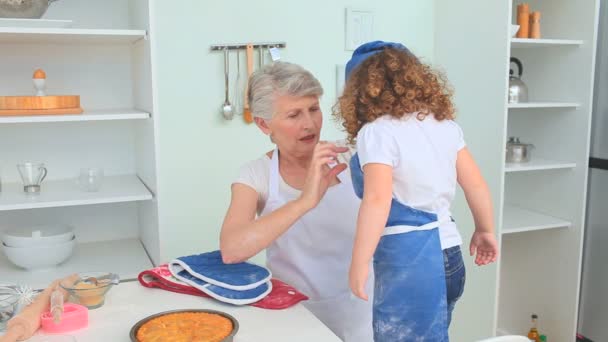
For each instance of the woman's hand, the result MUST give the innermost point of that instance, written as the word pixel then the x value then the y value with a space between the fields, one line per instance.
pixel 485 248
pixel 320 175
pixel 357 278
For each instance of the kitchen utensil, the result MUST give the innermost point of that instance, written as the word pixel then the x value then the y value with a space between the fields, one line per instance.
pixel 260 56
pixel 523 20
pixel 90 179
pixel 8 305
pixel 90 288
pixel 74 317
pixel 24 8
pixel 246 112
pixel 229 338
pixel 39 257
pixel 535 25
pixel 32 175
pixel 238 92
pixel 518 152
pixel 227 107
pixel 518 91
pixel 26 323
pixel 34 236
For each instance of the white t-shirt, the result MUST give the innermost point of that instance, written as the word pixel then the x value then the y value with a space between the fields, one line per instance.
pixel 256 174
pixel 423 156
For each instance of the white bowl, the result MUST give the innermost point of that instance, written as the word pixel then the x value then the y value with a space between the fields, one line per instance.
pixel 514 29
pixel 38 236
pixel 39 257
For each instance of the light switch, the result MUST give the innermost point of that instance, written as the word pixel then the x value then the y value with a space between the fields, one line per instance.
pixel 359 27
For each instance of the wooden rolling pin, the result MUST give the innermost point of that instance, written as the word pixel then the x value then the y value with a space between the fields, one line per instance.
pixel 25 324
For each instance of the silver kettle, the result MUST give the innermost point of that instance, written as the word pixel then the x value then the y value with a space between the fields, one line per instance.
pixel 518 91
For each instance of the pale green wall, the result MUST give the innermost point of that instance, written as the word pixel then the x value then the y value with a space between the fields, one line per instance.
pixel 199 152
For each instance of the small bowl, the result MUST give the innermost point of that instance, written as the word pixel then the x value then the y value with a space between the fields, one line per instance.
pixel 229 338
pixel 514 29
pixel 9 298
pixel 39 257
pixel 90 288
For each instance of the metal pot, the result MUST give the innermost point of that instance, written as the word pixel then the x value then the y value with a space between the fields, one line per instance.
pixel 518 152
pixel 518 91
pixel 31 9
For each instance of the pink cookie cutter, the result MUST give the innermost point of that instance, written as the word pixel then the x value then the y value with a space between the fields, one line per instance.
pixel 74 317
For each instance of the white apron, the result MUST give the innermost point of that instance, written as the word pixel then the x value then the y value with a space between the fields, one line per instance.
pixel 314 256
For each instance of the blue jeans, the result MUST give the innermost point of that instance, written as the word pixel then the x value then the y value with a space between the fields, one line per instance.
pixel 455 276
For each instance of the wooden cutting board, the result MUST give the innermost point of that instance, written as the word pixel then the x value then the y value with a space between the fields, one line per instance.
pixel 40 105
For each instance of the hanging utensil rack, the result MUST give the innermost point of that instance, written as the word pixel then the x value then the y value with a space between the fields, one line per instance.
pixel 219 47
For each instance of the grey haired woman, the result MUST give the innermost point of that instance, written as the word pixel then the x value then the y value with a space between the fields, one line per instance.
pixel 297 201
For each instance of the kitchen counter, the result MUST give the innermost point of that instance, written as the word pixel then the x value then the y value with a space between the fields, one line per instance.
pixel 129 302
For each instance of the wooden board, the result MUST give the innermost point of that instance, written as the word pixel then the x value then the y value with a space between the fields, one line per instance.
pixel 39 102
pixel 58 111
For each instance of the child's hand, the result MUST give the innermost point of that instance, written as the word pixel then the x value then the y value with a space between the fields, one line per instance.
pixel 358 277
pixel 485 246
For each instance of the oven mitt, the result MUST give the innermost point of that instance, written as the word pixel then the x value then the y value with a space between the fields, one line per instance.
pixel 236 297
pixel 282 295
pixel 210 268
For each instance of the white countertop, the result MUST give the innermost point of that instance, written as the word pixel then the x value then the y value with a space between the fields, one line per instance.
pixel 129 302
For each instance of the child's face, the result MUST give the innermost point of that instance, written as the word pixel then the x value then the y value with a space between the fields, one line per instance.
pixel 296 124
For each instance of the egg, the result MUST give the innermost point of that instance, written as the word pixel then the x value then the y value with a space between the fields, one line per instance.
pixel 39 73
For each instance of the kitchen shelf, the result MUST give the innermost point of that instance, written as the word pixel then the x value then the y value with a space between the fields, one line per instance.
pixel 127 258
pixel 538 164
pixel 516 220
pixel 62 193
pixel 94 115
pixel 69 35
pixel 531 43
pixel 525 105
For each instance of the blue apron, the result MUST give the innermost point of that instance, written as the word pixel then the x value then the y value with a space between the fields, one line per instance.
pixel 409 290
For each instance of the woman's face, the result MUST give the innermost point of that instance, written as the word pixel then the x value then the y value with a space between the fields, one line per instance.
pixel 296 124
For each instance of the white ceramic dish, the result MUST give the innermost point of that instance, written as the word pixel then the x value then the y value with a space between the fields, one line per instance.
pixel 39 257
pixel 514 29
pixel 38 236
pixel 34 23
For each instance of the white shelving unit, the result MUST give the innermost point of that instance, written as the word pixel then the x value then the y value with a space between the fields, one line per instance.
pixel 69 36
pixel 531 105
pixel 540 205
pixel 108 63
pixel 93 115
pixel 537 164
pixel 517 220
pixel 125 256
pixel 517 43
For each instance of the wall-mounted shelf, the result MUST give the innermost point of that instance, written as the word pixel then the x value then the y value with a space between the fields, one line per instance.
pixel 94 115
pixel 517 220
pixel 63 193
pixel 538 164
pixel 69 35
pixel 530 105
pixel 127 258
pixel 532 43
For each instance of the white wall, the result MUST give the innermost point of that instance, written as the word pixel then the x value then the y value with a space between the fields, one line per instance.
pixel 200 153
pixel 471 45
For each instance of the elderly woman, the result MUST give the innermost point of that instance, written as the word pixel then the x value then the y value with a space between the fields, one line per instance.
pixel 297 202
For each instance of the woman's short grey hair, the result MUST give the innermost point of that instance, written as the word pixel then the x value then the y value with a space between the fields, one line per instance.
pixel 279 78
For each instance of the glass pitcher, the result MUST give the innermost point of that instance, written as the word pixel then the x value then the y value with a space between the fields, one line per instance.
pixel 32 175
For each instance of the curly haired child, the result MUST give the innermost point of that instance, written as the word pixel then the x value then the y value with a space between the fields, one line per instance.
pixel 410 157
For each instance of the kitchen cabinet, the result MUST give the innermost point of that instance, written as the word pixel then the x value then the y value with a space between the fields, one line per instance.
pixel 539 205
